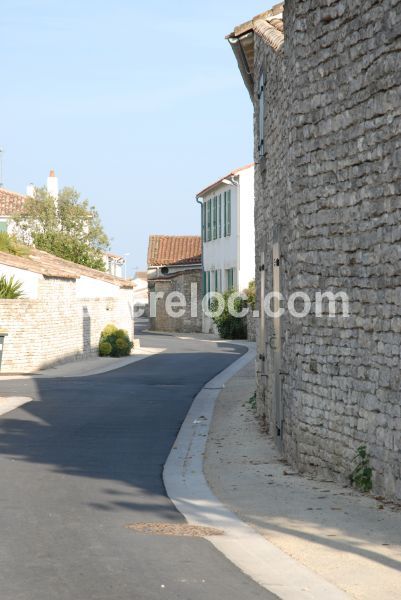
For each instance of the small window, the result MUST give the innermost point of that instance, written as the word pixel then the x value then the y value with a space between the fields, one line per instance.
pixel 230 279
pixel 261 109
pixel 164 270
pixel 227 213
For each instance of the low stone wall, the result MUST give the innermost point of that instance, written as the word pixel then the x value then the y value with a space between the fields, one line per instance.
pixel 177 282
pixel 58 325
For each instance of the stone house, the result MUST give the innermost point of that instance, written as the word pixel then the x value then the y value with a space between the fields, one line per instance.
pixel 325 81
pixel 63 310
pixel 228 233
pixel 175 266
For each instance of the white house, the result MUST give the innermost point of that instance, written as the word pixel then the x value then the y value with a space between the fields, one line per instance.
pixel 228 232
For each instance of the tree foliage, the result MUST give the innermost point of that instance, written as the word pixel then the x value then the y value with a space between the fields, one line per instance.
pixel 67 227
pixel 10 244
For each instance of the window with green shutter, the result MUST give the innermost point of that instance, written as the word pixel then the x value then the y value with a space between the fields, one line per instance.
pixel 219 211
pixel 230 278
pixel 209 220
pixel 3 226
pixel 216 281
pixel 229 212
pixel 215 217
pixel 225 213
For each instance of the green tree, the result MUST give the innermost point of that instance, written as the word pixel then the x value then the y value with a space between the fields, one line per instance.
pixel 67 227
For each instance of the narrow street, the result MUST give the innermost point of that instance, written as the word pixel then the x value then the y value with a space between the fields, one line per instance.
pixel 84 460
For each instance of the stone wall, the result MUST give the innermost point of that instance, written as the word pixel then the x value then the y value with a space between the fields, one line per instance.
pixel 330 185
pixel 58 326
pixel 184 282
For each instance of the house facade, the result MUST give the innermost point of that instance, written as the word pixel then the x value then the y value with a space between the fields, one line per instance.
pixel 325 82
pixel 228 233
pixel 175 266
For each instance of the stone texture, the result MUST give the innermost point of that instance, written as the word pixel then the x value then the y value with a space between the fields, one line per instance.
pixel 331 182
pixel 58 326
pixel 178 282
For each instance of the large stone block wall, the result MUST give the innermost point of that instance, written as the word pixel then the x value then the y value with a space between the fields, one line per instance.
pixel 331 183
pixel 181 282
pixel 58 326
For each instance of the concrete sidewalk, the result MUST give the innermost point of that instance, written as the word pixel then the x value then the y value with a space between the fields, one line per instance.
pixel 350 539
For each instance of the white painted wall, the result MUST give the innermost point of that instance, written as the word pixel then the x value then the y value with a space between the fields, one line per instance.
pixel 95 288
pixel 236 251
pixel 29 280
pixel 140 291
pixel 246 232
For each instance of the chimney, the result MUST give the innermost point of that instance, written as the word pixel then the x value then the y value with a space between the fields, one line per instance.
pixel 30 190
pixel 52 185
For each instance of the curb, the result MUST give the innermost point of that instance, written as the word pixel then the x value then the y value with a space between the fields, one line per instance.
pixel 248 550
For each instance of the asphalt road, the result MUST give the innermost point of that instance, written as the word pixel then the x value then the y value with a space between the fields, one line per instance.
pixel 83 461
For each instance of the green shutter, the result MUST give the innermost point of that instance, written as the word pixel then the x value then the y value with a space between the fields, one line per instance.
pixel 225 214
pixel 209 220
pixel 215 217
pixel 229 212
pixel 3 226
pixel 219 215
pixel 216 281
pixel 204 283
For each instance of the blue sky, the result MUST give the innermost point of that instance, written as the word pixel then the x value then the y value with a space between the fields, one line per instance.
pixel 138 105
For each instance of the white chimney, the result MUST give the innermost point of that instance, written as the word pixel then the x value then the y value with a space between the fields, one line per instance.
pixel 52 185
pixel 30 190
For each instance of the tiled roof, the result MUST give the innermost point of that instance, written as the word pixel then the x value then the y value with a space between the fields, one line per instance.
pixel 52 266
pixel 210 187
pixel 10 202
pixel 174 250
pixel 269 27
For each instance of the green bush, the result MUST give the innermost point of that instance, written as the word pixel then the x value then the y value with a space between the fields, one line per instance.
pixel 10 289
pixel 229 326
pixel 251 294
pixel 114 342
pixel 361 476
pixel 105 348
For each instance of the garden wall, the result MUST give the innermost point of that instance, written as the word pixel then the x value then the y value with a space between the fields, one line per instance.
pixel 59 325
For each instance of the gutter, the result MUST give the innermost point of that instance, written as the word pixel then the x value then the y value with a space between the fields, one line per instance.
pixel 243 65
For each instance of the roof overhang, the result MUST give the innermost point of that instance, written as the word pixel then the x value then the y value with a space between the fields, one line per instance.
pixel 269 27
